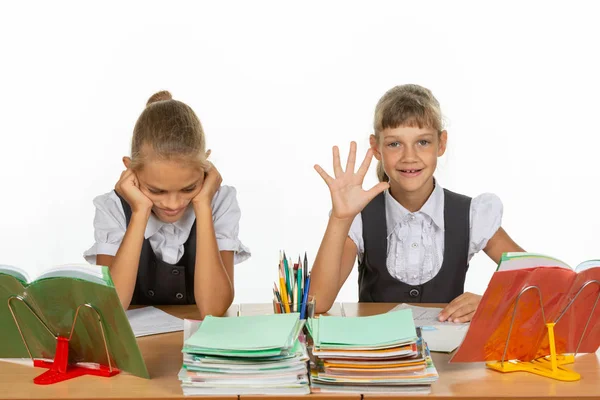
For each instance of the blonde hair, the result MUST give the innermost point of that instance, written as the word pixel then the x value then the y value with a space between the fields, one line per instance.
pixel 171 129
pixel 406 105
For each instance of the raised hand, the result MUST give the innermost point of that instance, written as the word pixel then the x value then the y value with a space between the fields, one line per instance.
pixel 347 195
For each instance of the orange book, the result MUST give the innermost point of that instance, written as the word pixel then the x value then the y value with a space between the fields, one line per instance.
pixel 558 284
pixel 378 365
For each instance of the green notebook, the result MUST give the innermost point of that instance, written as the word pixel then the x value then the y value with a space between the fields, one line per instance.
pixel 378 330
pixel 245 336
pixel 294 352
pixel 54 296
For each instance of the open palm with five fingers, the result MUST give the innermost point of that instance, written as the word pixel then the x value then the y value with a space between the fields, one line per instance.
pixel 348 198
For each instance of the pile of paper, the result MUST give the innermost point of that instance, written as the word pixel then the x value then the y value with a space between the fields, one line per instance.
pixel 381 354
pixel 246 355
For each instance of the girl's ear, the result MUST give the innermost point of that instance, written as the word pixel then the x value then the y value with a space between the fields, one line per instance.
pixel 375 147
pixel 443 142
pixel 208 153
pixel 126 162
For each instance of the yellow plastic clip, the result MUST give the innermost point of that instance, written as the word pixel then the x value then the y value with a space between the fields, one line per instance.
pixel 549 366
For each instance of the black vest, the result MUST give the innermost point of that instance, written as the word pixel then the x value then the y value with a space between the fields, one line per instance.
pixel 375 284
pixel 161 283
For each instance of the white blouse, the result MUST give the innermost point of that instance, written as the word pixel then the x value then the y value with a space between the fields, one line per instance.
pixel 167 239
pixel 416 240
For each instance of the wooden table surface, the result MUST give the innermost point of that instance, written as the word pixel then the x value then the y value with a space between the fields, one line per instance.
pixel 163 359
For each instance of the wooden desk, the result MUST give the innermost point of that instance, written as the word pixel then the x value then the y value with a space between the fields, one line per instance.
pixel 163 358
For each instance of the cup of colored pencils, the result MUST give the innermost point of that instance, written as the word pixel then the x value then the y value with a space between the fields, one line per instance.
pixel 290 294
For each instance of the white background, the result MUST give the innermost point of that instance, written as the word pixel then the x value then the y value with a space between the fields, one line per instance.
pixel 276 84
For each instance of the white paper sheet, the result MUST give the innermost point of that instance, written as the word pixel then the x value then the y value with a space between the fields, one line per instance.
pixel 151 321
pixel 426 316
pixel 444 337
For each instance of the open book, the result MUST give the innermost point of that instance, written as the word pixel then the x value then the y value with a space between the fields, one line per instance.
pixel 52 298
pixel 558 285
pixel 91 273
pixel 512 261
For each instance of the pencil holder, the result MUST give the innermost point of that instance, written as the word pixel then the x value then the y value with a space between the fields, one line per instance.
pixel 306 309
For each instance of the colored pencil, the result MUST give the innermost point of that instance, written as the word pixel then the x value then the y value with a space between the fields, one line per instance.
pixel 305 299
pixel 284 295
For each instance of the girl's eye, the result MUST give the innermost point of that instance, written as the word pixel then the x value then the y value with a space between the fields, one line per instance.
pixel 154 191
pixel 393 144
pixel 423 142
pixel 188 190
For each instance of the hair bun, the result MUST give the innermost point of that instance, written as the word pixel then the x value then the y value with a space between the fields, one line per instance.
pixel 159 96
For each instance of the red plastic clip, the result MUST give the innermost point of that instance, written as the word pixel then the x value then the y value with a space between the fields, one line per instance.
pixel 59 370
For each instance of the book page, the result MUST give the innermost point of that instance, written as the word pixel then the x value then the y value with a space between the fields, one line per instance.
pixel 512 261
pixel 587 265
pixel 86 272
pixel 16 272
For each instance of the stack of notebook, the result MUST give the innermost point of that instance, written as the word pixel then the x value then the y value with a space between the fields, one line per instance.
pixel 382 354
pixel 246 355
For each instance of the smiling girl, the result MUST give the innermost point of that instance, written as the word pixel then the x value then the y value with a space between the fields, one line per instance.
pixel 413 239
pixel 169 230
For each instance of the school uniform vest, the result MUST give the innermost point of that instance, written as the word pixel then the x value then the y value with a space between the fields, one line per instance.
pixel 375 284
pixel 159 282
